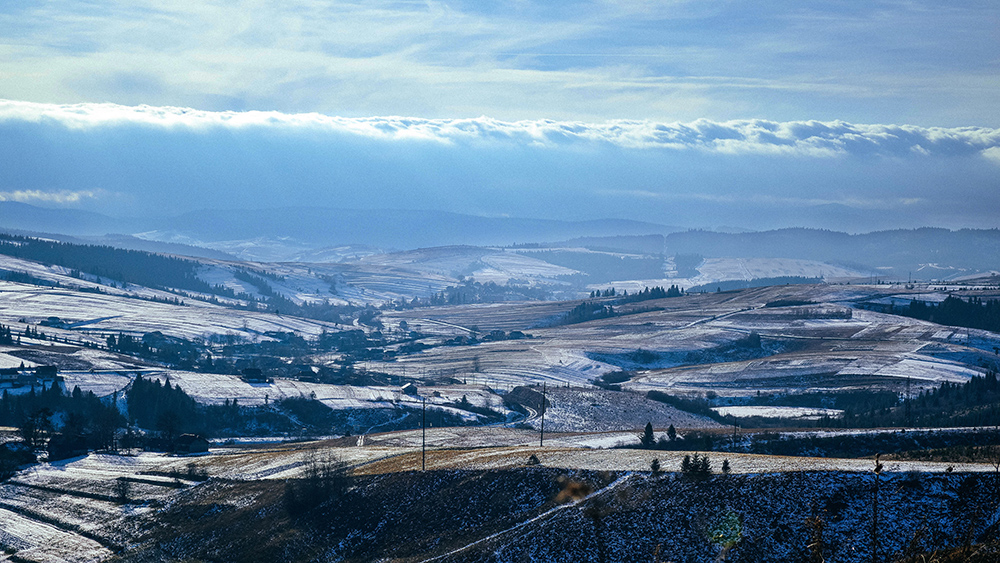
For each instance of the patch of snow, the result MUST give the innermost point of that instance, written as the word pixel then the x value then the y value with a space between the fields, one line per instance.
pixel 804 413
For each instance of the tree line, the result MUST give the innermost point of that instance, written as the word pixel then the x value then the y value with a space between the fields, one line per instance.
pixel 973 403
pixel 475 292
pixel 61 422
pixel 131 266
pixel 955 311
pixel 71 423
pixel 644 295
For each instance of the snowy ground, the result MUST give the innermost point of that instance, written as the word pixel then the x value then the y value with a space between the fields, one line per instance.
pixel 71 510
pixel 34 540
pixel 484 264
pixel 824 345
pixel 816 349
pixel 869 349
pixel 21 305
pixel 804 413
pixel 67 511
pixel 639 460
pixel 714 270
pixel 7 361
pixel 596 410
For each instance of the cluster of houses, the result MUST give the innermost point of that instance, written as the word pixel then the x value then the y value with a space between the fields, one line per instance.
pixel 255 375
pixel 301 372
pixel 13 378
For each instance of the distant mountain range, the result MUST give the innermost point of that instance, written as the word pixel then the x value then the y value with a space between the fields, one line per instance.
pixel 24 217
pixel 127 242
pixel 926 253
pixel 334 235
pixel 286 233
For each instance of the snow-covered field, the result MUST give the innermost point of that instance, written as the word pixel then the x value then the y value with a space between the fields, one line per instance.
pixel 7 361
pixel 418 273
pixel 501 267
pixel 720 269
pixel 367 276
pixel 61 275
pixel 714 270
pixel 804 413
pixel 211 388
pixel 595 410
pixel 639 460
pixel 482 263
pixel 34 540
pixel 72 510
pixel 22 304
pixel 806 348
pixel 814 349
pixel 69 511
pixel 825 344
pixel 101 383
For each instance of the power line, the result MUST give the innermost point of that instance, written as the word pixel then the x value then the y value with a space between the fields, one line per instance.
pixel 541 435
pixel 423 436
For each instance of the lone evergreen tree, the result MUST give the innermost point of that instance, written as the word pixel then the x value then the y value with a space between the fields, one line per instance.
pixel 646 438
pixel 704 467
pixel 671 433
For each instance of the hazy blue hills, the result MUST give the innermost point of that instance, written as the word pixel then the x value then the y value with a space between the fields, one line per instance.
pixel 321 234
pixel 128 242
pixel 21 216
pixel 926 252
pixel 321 227
pixel 395 228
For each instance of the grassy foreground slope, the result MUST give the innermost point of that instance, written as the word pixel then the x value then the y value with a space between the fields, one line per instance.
pixel 295 502
pixel 548 514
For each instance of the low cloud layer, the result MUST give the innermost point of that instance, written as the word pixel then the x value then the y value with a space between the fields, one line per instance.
pixel 750 137
pixel 40 196
pixel 753 173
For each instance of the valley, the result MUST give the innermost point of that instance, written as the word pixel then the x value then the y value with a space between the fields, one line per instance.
pixel 499 282
pixel 429 377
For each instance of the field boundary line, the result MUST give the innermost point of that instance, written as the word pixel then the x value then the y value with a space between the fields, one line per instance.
pixel 618 482
pixel 64 526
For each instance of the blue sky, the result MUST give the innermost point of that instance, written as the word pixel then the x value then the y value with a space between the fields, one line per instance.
pixel 692 113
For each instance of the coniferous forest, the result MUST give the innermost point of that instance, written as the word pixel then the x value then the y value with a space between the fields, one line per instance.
pixel 955 311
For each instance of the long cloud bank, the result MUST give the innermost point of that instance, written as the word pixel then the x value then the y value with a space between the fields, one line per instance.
pixel 752 136
pixel 753 173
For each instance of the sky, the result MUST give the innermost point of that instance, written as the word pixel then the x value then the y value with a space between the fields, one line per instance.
pixel 862 115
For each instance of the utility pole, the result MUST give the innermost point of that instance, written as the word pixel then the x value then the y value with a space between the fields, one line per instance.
pixel 909 417
pixel 541 434
pixel 875 543
pixel 423 435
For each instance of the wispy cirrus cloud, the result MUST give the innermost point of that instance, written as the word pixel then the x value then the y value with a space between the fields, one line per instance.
pixel 877 62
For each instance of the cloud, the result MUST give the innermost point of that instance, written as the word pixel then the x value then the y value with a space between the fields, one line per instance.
pixel 753 172
pixel 992 153
pixel 735 137
pixel 61 197
pixel 592 60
